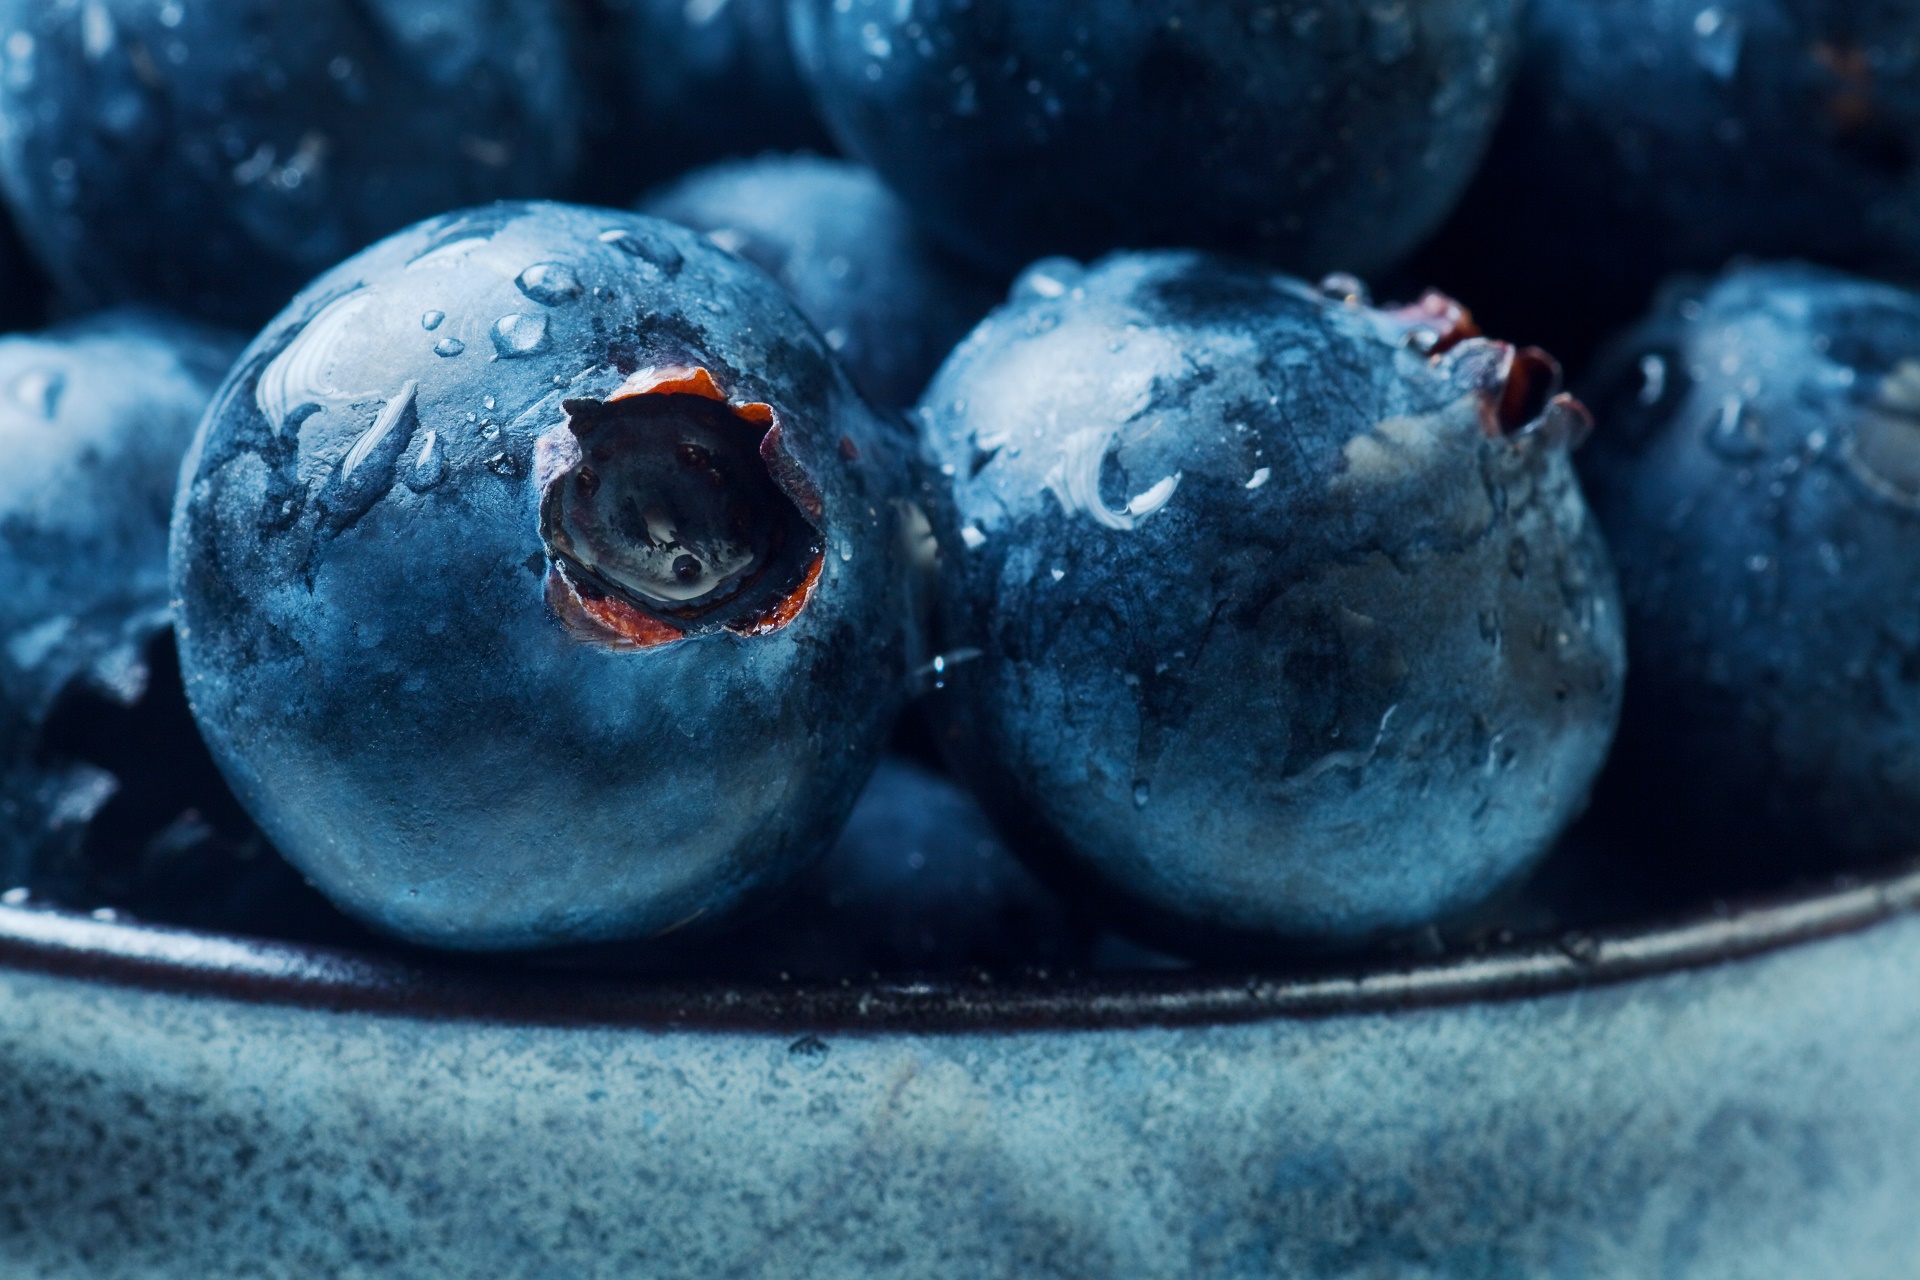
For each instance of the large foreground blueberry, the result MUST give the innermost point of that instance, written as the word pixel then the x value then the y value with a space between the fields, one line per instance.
pixel 539 580
pixel 845 248
pixel 1320 137
pixel 1282 614
pixel 94 419
pixel 216 156
pixel 1760 487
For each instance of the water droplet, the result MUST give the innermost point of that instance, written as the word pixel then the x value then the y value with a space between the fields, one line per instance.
pixel 38 390
pixel 429 464
pixel 515 335
pixel 430 320
pixel 1260 477
pixel 1048 278
pixel 846 552
pixel 549 283
pixel 1058 574
pixel 1346 287
pixel 15 897
pixel 1653 379
pixel 1736 432
pixel 1141 794
pixel 974 539
pixel 1717 39
pixel 449 347
pixel 503 465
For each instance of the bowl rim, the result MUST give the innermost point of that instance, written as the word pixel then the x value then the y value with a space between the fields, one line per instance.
pixel 106 948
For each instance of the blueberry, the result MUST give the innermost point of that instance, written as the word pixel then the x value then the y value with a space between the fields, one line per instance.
pixel 590 630
pixel 845 249
pixel 918 882
pixel 1281 614
pixel 1760 487
pixel 218 156
pixel 94 419
pixel 1647 136
pixel 1320 137
pixel 686 82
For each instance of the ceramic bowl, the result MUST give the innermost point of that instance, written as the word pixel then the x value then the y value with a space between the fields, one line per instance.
pixel 1731 1095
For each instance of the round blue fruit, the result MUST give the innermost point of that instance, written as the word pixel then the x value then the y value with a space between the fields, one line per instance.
pixel 216 157
pixel 94 420
pixel 1648 136
pixel 890 304
pixel 686 82
pixel 1280 614
pixel 1759 483
pixel 541 580
pixel 1330 137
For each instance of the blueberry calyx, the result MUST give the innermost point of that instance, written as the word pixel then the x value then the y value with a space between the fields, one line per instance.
pixel 1519 388
pixel 1518 393
pixel 1433 325
pixel 668 510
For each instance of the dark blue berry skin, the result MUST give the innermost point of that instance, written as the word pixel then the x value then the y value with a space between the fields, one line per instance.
pixel 216 157
pixel 1758 478
pixel 1282 615
pixel 1323 138
pixel 918 882
pixel 1648 136
pixel 94 419
pixel 426 555
pixel 687 82
pixel 846 250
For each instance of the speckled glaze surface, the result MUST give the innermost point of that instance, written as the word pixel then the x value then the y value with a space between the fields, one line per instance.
pixel 1701 1101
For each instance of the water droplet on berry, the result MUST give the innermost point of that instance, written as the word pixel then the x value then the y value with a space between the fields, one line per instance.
pixel 429 464
pixel 516 335
pixel 549 283
pixel 430 320
pixel 449 347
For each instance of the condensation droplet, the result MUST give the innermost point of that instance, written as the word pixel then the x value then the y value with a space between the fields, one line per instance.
pixel 429 464
pixel 1141 794
pixel 430 320
pixel 449 347
pixel 515 335
pixel 549 283
pixel 39 390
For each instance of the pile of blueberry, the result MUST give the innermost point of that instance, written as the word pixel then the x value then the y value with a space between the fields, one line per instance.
pixel 670 412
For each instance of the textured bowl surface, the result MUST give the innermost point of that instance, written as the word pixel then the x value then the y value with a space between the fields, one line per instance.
pixel 1729 1096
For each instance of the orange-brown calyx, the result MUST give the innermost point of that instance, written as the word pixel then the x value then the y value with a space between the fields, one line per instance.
pixel 1432 325
pixel 1517 392
pixel 593 615
pixel 785 610
pixel 669 510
